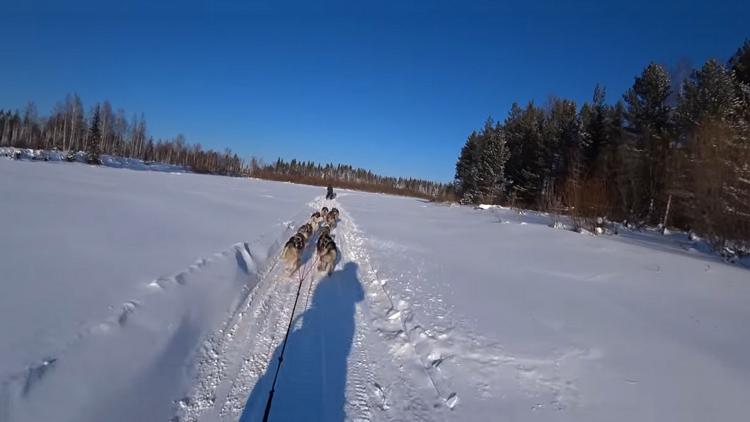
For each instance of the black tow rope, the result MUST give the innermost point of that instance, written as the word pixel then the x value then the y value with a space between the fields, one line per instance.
pixel 267 412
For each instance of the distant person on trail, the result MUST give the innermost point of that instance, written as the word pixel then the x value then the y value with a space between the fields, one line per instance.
pixel 329 193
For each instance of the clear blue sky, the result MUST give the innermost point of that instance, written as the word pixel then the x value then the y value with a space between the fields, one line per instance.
pixel 392 86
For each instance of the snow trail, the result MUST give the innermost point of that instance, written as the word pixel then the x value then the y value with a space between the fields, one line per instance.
pixel 234 357
pixel 237 360
pixel 349 351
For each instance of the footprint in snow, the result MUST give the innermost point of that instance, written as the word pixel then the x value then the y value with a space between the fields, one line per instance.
pixel 451 401
pixel 380 394
pixel 393 314
pixel 127 309
pixel 436 359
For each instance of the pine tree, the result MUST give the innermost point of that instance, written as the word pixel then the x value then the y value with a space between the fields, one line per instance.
pixel 649 118
pixel 526 168
pixel 709 93
pixel 467 171
pixel 491 166
pixel 710 118
pixel 94 142
pixel 561 154
pixel 595 139
pixel 740 63
pixel 613 172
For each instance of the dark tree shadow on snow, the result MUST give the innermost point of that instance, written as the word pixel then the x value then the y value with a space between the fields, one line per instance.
pixel 312 379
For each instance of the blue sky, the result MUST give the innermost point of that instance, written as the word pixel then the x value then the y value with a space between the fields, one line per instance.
pixel 392 86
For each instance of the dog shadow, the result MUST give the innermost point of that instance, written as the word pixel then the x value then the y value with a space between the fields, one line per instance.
pixel 312 380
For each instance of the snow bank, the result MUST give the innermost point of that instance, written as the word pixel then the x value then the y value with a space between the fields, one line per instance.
pixel 80 157
pixel 31 154
pixel 136 164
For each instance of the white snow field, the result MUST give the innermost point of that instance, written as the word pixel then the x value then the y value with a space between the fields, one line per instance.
pixel 153 296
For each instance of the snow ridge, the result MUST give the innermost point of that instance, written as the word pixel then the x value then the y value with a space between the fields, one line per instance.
pixel 246 259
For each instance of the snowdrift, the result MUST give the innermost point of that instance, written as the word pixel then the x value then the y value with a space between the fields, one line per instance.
pixel 80 157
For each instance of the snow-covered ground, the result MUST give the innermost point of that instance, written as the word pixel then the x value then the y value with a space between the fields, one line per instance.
pixel 525 322
pixel 107 274
pixel 147 296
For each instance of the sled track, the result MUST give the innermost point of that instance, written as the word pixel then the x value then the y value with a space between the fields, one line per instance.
pixel 361 390
pixel 239 353
pixel 235 358
pixel 387 336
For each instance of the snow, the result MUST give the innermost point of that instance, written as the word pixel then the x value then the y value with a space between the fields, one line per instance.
pixel 107 270
pixel 532 323
pixel 147 296
pixel 107 160
pixel 31 154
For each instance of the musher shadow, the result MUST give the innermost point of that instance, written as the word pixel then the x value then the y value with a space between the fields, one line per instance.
pixel 312 380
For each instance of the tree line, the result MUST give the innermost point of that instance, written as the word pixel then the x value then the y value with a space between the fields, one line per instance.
pixel 670 152
pixel 104 130
pixel 346 176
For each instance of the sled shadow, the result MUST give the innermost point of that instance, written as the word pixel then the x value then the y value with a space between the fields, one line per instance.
pixel 312 381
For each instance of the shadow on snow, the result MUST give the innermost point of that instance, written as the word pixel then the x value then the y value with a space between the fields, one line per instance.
pixel 312 380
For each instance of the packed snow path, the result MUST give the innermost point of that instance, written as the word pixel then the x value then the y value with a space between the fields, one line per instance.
pixel 336 363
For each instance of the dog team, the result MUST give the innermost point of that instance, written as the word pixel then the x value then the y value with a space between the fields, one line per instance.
pixel 326 249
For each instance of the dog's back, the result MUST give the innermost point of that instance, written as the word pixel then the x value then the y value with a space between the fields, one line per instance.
pixel 323 242
pixel 314 223
pixel 306 230
pixel 327 255
pixel 293 250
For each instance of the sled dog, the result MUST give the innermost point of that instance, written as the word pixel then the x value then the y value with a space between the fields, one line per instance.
pixel 331 220
pixel 293 251
pixel 306 230
pixel 315 220
pixel 327 254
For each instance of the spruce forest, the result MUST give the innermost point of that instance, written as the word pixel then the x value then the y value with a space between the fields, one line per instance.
pixel 673 153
